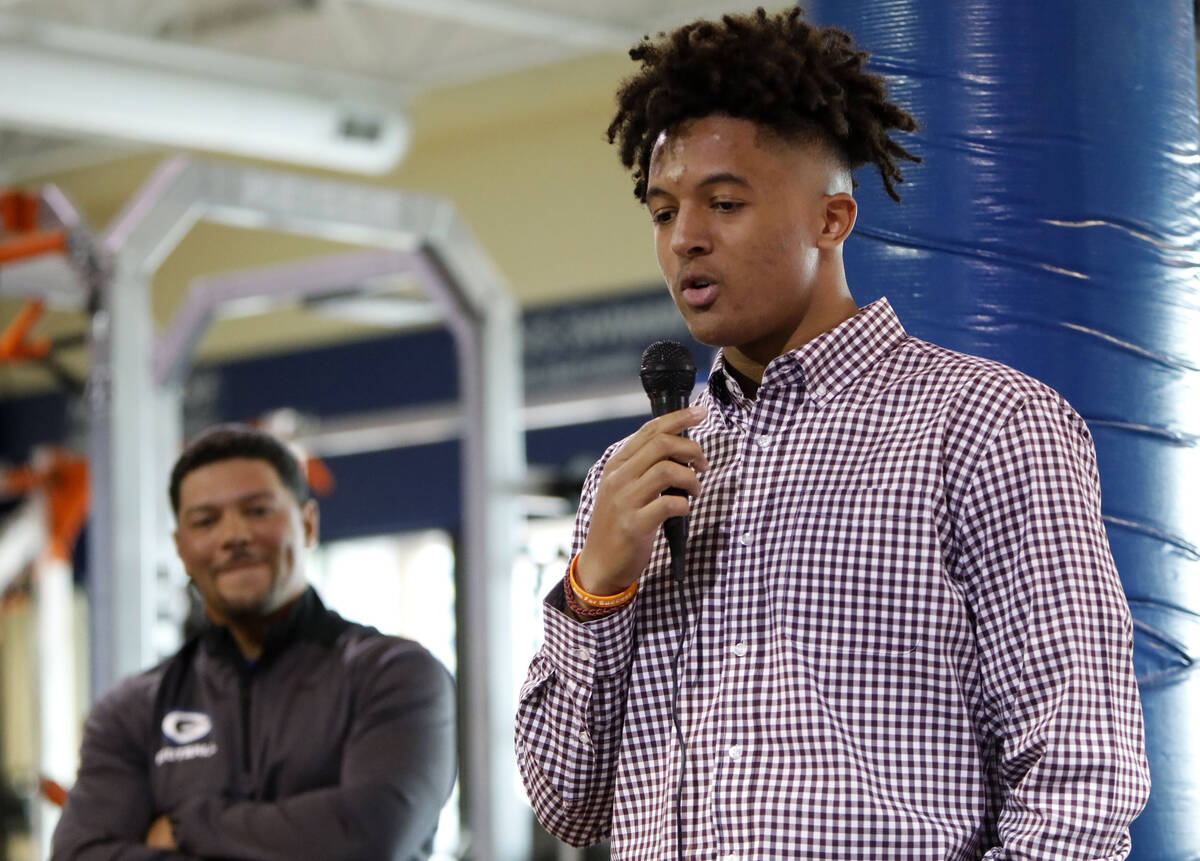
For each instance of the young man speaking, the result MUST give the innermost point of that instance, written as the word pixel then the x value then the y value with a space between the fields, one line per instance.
pixel 900 633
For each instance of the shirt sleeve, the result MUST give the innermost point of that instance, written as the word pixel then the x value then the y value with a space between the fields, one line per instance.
pixel 1055 641
pixel 397 771
pixel 571 710
pixel 110 807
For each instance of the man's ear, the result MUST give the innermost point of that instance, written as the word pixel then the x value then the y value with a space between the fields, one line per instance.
pixel 841 211
pixel 179 553
pixel 310 516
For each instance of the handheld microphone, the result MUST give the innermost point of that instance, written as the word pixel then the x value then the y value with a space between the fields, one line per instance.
pixel 668 376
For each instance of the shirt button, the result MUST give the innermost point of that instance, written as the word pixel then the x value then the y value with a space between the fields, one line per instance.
pixel 583 654
pixel 821 391
pixel 739 649
pixel 584 737
pixel 764 442
pixel 732 856
pixel 735 751
pixel 745 538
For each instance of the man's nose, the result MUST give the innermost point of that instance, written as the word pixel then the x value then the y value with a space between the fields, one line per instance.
pixel 234 530
pixel 690 237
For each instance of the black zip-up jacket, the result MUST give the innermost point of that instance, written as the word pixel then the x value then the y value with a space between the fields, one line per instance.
pixel 338 743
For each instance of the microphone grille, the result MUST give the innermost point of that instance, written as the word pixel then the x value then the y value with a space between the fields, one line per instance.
pixel 667 366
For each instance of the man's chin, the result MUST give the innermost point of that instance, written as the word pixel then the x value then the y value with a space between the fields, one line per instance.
pixel 246 607
pixel 242 607
pixel 709 335
pixel 708 327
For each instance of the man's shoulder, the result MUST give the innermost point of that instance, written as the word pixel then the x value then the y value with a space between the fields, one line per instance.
pixel 367 645
pixel 132 690
pixel 132 701
pixel 966 380
pixel 397 671
pixel 364 649
pixel 146 683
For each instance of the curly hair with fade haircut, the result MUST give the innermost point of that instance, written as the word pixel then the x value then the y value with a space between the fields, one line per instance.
pixel 805 83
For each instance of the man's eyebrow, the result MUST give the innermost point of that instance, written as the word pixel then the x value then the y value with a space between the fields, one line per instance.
pixel 722 178
pixel 254 496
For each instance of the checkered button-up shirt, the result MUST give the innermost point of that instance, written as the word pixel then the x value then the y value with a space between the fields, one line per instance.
pixel 906 636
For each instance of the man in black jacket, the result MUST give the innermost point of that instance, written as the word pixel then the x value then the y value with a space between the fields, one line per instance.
pixel 281 731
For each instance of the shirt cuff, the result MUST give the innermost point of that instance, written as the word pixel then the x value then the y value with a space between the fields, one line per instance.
pixel 584 651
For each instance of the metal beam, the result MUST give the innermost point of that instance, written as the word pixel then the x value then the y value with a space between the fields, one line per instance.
pixel 274 285
pixel 519 21
pixel 169 55
pixel 383 430
pixel 68 93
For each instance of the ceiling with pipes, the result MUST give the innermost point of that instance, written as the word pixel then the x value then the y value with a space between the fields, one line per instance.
pixel 319 82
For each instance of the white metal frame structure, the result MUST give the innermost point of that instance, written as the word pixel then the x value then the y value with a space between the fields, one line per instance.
pixel 135 403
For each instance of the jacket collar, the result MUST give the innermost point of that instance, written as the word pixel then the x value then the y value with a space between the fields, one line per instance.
pixel 307 618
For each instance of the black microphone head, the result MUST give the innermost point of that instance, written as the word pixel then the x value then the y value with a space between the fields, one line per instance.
pixel 667 366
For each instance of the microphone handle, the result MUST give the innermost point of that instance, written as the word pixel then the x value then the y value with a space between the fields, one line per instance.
pixel 674 528
pixel 665 402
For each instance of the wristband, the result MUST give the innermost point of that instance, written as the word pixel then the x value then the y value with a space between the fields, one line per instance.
pixel 600 602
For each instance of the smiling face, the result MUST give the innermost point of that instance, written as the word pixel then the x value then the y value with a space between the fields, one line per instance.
pixel 748 231
pixel 241 535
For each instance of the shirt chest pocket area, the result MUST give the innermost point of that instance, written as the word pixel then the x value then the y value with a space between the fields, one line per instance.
pixel 859 572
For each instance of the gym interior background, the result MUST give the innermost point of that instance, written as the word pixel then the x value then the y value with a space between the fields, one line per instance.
pixel 393 231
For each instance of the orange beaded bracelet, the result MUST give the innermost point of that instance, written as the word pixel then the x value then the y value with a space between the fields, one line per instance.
pixel 577 609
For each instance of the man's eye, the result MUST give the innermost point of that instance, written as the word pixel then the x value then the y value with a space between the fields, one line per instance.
pixel 727 205
pixel 662 216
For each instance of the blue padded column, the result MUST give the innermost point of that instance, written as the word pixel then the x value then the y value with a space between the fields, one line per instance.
pixel 1054 226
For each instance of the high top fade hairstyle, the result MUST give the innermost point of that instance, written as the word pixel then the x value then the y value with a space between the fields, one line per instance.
pixel 806 84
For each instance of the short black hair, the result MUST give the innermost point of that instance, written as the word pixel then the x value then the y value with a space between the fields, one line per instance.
pixel 802 82
pixel 229 441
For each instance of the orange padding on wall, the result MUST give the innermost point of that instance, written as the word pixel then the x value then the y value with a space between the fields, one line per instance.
pixel 30 244
pixel 18 211
pixel 15 343
pixel 64 478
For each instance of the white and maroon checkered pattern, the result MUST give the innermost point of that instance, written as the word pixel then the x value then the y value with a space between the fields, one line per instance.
pixel 911 640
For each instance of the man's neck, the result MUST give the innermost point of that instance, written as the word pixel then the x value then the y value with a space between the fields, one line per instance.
pixel 748 384
pixel 250 632
pixel 747 367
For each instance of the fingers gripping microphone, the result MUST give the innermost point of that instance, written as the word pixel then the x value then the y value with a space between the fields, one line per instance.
pixel 668 375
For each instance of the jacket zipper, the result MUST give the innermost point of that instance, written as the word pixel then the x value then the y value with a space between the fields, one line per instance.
pixel 244 689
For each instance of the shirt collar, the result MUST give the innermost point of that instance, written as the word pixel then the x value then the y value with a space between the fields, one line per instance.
pixel 827 363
